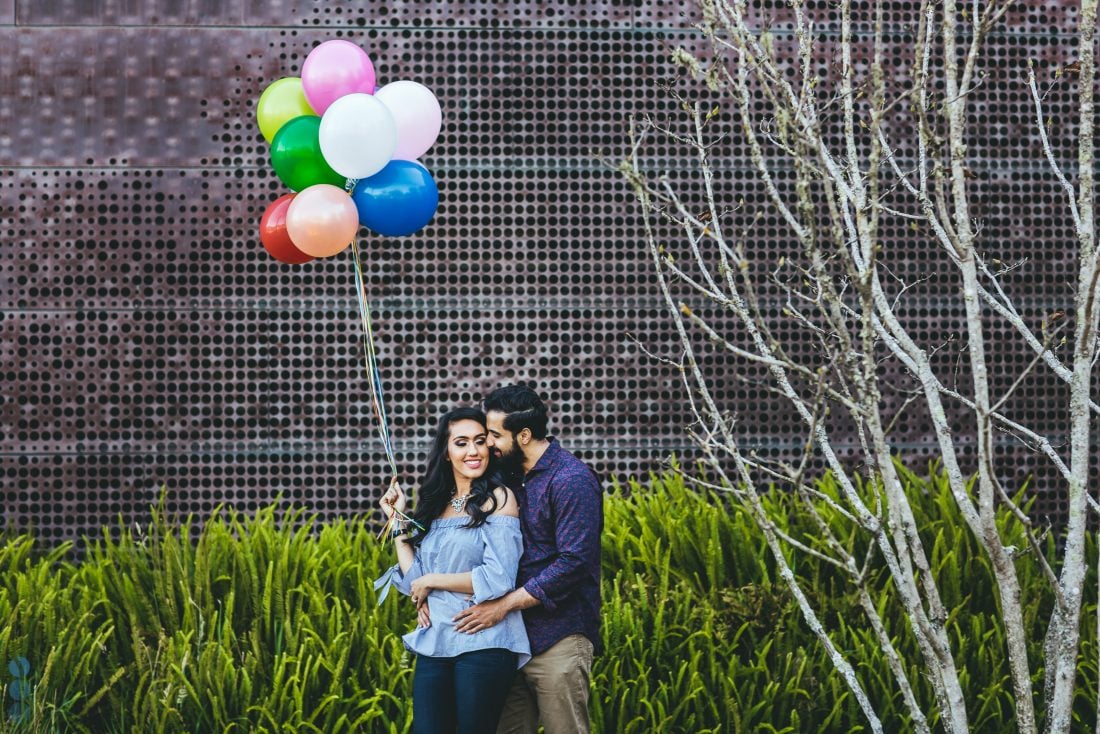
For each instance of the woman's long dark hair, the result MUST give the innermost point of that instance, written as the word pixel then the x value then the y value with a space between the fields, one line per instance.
pixel 438 485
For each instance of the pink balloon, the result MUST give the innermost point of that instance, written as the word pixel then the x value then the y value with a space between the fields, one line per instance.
pixel 416 112
pixel 333 69
pixel 322 220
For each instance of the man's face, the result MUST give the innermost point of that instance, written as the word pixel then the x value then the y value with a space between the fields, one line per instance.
pixel 502 444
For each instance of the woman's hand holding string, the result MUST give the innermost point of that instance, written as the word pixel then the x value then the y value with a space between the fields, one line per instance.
pixel 393 499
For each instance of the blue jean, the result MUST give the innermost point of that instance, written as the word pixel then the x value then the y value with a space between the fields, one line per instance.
pixel 463 694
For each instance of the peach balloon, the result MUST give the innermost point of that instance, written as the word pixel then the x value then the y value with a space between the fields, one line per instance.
pixel 322 220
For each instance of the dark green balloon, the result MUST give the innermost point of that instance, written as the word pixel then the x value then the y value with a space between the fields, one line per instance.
pixel 296 155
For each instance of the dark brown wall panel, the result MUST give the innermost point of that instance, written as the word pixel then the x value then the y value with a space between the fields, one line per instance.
pixel 123 97
pixel 147 339
pixel 418 13
pixel 130 12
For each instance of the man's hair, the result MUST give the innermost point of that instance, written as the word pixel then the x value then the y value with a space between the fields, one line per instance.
pixel 522 408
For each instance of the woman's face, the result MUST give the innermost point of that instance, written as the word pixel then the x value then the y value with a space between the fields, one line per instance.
pixel 467 449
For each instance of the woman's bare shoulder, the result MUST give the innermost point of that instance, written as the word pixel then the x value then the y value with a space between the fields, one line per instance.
pixel 506 502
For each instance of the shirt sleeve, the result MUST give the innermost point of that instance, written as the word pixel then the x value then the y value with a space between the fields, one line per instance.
pixel 503 545
pixel 578 520
pixel 400 581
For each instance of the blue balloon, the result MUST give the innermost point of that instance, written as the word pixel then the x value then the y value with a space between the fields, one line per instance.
pixel 398 200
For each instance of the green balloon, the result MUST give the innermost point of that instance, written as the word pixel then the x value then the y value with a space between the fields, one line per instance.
pixel 296 155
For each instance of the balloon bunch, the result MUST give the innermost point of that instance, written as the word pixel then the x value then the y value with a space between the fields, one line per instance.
pixel 347 149
pixel 333 132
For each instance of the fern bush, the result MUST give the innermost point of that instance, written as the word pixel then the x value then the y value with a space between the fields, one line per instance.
pixel 269 622
pixel 779 678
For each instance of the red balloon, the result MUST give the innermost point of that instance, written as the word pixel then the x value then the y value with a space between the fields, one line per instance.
pixel 276 240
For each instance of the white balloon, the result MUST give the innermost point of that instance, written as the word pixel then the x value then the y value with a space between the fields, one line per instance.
pixel 357 135
pixel 417 114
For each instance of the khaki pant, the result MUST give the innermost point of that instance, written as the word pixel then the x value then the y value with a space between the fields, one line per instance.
pixel 551 687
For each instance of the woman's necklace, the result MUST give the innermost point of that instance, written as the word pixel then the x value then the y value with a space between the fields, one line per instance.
pixel 458 504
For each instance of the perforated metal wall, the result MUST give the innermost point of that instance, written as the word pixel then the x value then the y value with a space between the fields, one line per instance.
pixel 146 338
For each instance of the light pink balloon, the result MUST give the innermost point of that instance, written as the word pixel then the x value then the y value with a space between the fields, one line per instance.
pixel 416 112
pixel 333 69
pixel 322 220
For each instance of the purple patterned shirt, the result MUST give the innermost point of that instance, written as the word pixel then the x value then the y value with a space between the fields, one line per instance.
pixel 561 509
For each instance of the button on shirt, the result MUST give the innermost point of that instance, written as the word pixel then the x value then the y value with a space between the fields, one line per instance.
pixel 491 553
pixel 561 507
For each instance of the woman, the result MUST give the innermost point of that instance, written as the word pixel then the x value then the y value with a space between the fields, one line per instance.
pixel 467 553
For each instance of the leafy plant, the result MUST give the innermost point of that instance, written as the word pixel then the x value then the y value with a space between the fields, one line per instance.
pixel 270 622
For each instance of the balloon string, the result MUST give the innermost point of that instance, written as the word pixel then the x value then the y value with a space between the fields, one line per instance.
pixel 373 375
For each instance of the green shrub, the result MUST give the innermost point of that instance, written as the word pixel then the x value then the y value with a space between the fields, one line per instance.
pixel 700 557
pixel 265 624
pixel 270 623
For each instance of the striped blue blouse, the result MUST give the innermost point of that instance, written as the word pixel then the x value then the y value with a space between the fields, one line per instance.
pixel 491 553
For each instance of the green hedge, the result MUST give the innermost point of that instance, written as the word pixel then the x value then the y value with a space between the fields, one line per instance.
pixel 270 623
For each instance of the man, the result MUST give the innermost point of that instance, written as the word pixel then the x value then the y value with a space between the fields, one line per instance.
pixel 558 586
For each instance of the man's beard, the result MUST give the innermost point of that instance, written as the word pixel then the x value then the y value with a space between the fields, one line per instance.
pixel 511 463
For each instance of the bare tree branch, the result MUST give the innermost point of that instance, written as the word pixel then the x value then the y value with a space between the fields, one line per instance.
pixel 825 327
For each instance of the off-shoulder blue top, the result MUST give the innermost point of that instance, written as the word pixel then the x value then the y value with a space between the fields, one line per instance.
pixel 491 553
